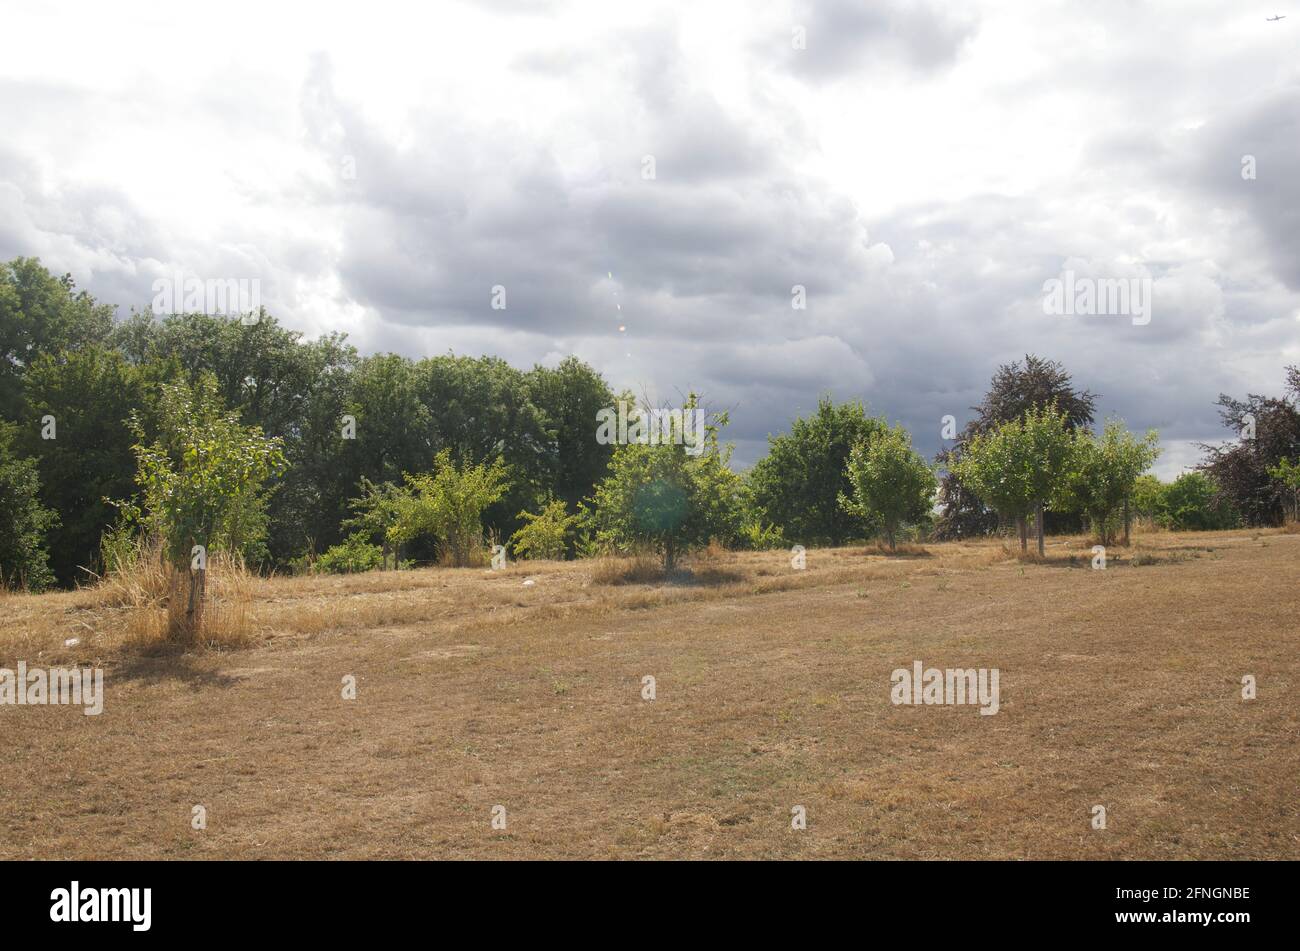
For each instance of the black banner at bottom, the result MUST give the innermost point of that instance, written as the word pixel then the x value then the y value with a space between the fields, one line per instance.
pixel 946 900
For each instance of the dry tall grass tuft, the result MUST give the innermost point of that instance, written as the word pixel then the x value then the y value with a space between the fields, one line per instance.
pixel 640 568
pixel 153 597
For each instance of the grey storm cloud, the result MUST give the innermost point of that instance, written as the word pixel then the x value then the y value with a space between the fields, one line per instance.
pixel 910 305
pixel 1247 162
pixel 843 37
pixel 721 230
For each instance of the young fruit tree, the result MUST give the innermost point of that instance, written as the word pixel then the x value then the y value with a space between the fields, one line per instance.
pixel 448 504
pixel 1050 441
pixel 995 466
pixel 1104 474
pixel 662 496
pixel 892 485
pixel 202 482
pixel 1018 467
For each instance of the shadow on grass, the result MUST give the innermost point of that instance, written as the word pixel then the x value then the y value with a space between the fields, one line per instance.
pixel 902 551
pixel 163 663
pixel 703 576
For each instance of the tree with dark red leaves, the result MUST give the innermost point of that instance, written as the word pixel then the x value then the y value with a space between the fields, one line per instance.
pixel 1268 431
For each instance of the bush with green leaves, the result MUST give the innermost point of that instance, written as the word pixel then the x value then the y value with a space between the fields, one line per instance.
pixel 376 511
pixel 893 486
pixel 353 555
pixel 756 535
pixel 545 534
pixel 1149 499
pixel 448 504
pixel 24 522
pixel 1193 502
pixel 665 499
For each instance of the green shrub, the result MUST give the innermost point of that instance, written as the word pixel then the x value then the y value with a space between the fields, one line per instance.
pixel 544 534
pixel 355 554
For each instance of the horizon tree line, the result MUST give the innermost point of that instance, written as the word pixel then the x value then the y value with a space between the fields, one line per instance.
pixel 365 455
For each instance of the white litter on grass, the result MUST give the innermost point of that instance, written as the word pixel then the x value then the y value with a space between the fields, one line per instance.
pixel 72 642
pixel 528 581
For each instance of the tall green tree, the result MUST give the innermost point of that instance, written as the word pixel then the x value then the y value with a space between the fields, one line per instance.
pixel 483 408
pixel 569 397
pixel 994 467
pixel 90 394
pixel 24 521
pixel 798 484
pixel 41 314
pixel 291 388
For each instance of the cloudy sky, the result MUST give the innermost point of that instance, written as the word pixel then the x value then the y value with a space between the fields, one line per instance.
pixel 920 168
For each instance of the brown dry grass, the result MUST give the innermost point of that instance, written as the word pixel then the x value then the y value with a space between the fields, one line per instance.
pixel 1119 688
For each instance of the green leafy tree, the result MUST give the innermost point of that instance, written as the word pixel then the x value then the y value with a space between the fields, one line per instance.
pixel 995 467
pixel 41 314
pixel 545 534
pixel 1149 499
pixel 892 485
pixel 483 408
pixel 1018 467
pixel 448 503
pixel 1050 439
pixel 90 393
pixel 1288 473
pixel 202 482
pixel 798 484
pixel 569 397
pixel 1015 389
pixel 24 522
pixel 665 498
pixel 377 510
pixel 1193 502
pixel 1104 473
pixel 294 389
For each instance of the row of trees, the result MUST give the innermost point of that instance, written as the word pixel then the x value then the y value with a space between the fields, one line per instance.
pixel 314 455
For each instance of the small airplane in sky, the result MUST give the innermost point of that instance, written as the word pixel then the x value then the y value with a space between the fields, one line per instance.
pixel 1275 17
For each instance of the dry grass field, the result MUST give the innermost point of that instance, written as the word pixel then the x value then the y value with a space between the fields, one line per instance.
pixel 1119 687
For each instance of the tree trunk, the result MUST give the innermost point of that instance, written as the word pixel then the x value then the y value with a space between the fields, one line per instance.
pixel 1038 512
pixel 1023 528
pixel 384 556
pixel 668 554
pixel 892 546
pixel 1127 521
pixel 194 607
